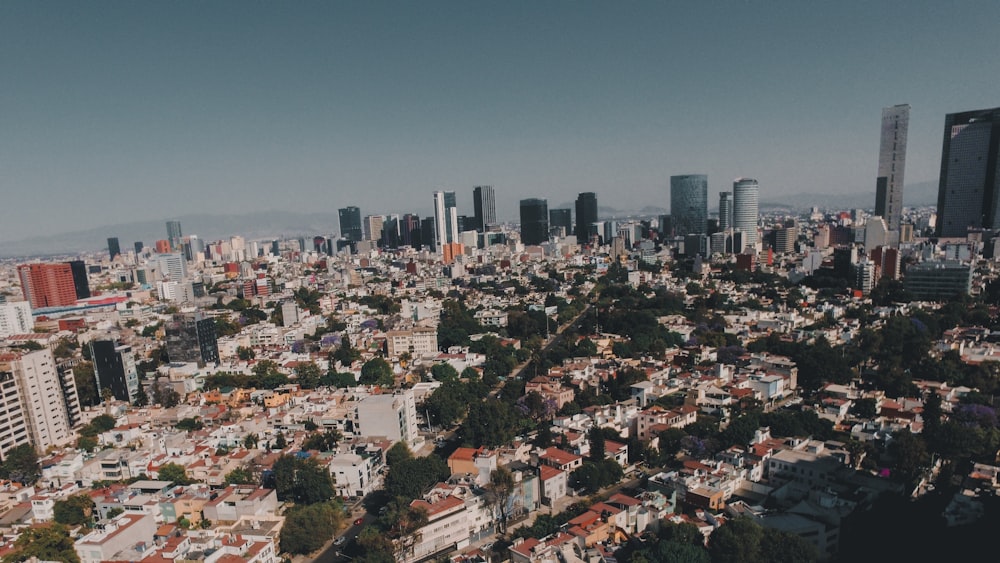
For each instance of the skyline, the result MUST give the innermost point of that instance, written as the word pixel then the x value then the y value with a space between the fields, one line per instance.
pixel 124 112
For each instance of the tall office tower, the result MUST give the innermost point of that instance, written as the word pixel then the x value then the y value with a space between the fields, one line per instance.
pixel 373 227
pixel 534 221
pixel 350 223
pixel 114 367
pixel 81 283
pixel 586 216
pixel 725 211
pixel 445 219
pixel 40 390
pixel 969 186
pixel 54 285
pixel 428 233
pixel 15 318
pixel 390 232
pixel 171 266
pixel 485 207
pixel 409 230
pixel 114 248
pixel 174 235
pixel 191 338
pixel 891 163
pixel 562 218
pixel 689 204
pixel 746 197
pixel 138 246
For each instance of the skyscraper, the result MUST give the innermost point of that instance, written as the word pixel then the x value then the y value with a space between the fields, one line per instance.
pixel 54 285
pixel 445 219
pixel 725 211
pixel 373 227
pixel 42 399
pixel 746 196
pixel 191 337
pixel 114 248
pixel 114 368
pixel 689 204
pixel 969 186
pixel 586 216
pixel 174 235
pixel 561 218
pixel 891 163
pixel 534 221
pixel 485 207
pixel 350 223
pixel 138 246
pixel 409 230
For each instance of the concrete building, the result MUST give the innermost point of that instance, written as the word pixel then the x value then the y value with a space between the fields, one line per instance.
pixel 118 535
pixel 393 417
pixel 938 280
pixel 42 400
pixel 418 341
pixel 891 164
pixel 445 219
pixel 15 318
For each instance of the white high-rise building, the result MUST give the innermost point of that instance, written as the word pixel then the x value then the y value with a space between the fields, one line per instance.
pixel 42 400
pixel 891 164
pixel 171 266
pixel 393 417
pixel 15 318
pixel 746 196
pixel 445 219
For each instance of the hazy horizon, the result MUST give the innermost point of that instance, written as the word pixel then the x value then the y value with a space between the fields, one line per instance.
pixel 123 112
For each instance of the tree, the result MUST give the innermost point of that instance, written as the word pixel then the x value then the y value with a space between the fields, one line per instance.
pixel 175 473
pixel 21 465
pixel 45 543
pixel 444 372
pixel 397 453
pixel 307 528
pixel 499 491
pixel 596 439
pixel 303 481
pixel 165 395
pixel 86 383
pixel 376 371
pixel 738 541
pixel 402 523
pixel 308 375
pixel 245 354
pixel 189 424
pixel 241 476
pixel 410 478
pixel 322 441
pixel 74 510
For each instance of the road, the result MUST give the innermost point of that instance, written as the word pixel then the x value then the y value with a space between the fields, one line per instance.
pixel 331 551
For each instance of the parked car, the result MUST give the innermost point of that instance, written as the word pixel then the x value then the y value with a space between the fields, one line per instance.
pixel 359 521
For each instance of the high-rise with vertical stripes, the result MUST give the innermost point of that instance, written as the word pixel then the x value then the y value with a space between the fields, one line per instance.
pixel 891 164
pixel 485 208
pixel 969 186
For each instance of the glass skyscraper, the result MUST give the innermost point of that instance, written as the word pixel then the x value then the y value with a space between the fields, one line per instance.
pixel 350 223
pixel 689 204
pixel 485 208
pixel 725 211
pixel 969 187
pixel 746 196
pixel 534 221
pixel 586 216
pixel 445 219
pixel 891 162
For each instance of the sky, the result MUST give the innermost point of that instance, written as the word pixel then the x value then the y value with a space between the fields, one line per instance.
pixel 113 112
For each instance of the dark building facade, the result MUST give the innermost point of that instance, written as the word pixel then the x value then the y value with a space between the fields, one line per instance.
pixel 586 216
pixel 969 185
pixel 689 204
pixel 350 223
pixel 484 205
pixel 114 248
pixel 192 338
pixel 534 221
pixel 561 218
pixel 114 369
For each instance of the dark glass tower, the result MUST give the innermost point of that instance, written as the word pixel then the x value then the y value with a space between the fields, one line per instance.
pixel 174 235
pixel 561 218
pixel 534 221
pixel 114 247
pixel 350 223
pixel 485 207
pixel 689 204
pixel 586 216
pixel 969 186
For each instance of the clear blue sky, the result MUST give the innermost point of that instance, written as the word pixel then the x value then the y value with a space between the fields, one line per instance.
pixel 119 111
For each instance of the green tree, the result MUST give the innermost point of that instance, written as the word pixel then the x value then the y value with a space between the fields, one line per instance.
pixel 241 476
pixel 175 473
pixel 397 453
pixel 303 481
pixel 20 464
pixel 73 511
pixel 376 371
pixel 308 375
pixel 410 478
pixel 308 527
pixel 444 372
pixel 738 541
pixel 45 543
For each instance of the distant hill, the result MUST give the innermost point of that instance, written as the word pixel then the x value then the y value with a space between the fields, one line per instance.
pixel 918 194
pixel 207 227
